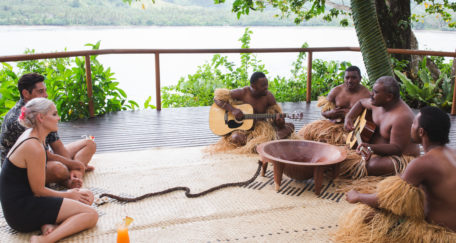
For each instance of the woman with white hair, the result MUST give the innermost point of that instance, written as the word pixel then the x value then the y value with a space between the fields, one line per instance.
pixel 27 204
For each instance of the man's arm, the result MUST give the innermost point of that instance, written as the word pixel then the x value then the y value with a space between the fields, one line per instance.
pixel 335 113
pixel 11 130
pixel 235 94
pixel 62 155
pixel 414 175
pixel 355 111
pixel 279 121
pixel 416 171
pixel 399 138
pixel 224 105
pixel 365 198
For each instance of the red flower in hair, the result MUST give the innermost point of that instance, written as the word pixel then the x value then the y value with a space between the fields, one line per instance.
pixel 22 116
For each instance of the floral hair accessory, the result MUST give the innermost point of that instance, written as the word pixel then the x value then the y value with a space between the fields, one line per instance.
pixel 22 116
pixel 89 137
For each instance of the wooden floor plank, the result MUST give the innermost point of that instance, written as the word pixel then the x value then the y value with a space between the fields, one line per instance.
pixel 170 127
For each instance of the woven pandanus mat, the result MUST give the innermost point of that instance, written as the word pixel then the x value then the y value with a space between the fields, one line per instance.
pixel 252 213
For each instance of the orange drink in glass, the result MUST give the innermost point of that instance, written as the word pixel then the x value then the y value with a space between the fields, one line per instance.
pixel 122 231
pixel 122 234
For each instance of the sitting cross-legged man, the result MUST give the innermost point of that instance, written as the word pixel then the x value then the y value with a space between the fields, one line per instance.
pixel 334 107
pixel 263 102
pixel 66 164
pixel 419 205
pixel 390 149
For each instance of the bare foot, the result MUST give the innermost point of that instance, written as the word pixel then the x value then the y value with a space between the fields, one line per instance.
pixel 74 183
pixel 89 168
pixel 48 228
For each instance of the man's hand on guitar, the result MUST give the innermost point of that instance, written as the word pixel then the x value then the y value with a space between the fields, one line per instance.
pixel 348 124
pixel 365 151
pixel 279 120
pixel 238 114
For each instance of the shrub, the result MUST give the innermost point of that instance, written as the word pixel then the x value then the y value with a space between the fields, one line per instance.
pixel 198 89
pixel 425 90
pixel 66 86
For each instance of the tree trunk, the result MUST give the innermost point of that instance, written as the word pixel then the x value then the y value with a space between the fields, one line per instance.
pixel 371 43
pixel 394 19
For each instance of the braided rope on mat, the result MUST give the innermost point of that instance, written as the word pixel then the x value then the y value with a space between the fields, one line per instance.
pixel 183 188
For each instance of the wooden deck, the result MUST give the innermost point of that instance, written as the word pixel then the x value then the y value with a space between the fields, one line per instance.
pixel 170 127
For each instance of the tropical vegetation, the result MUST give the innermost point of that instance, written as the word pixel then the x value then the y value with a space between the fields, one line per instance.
pixel 66 85
pixel 428 88
pixel 198 89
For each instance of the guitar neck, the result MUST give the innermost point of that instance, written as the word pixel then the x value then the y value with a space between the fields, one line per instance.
pixel 358 138
pixel 262 116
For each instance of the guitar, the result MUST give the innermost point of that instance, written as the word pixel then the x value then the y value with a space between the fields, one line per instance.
pixel 222 122
pixel 364 129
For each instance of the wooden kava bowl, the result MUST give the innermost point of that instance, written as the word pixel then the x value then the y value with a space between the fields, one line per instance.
pixel 300 160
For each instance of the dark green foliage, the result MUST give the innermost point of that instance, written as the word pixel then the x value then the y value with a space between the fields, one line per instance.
pixel 431 14
pixel 325 76
pixel 9 94
pixel 198 89
pixel 66 86
pixel 425 90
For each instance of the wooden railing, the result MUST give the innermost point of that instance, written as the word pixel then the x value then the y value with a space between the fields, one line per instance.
pixel 157 53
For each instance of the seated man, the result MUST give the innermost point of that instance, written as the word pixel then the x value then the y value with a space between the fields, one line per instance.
pixel 334 108
pixel 262 101
pixel 390 145
pixel 66 164
pixel 419 206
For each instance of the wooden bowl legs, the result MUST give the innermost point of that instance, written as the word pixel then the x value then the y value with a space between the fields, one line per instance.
pixel 318 178
pixel 317 174
pixel 264 167
pixel 278 172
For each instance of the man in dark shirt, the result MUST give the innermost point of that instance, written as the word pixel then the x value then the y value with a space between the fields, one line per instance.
pixel 66 164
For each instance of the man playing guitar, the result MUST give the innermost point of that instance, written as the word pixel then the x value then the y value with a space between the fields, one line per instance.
pixel 390 145
pixel 334 107
pixel 262 101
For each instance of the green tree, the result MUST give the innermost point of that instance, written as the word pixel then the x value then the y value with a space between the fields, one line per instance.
pixel 394 16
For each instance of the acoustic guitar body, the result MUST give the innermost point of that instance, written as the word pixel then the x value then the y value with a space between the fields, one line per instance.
pixel 222 122
pixel 364 127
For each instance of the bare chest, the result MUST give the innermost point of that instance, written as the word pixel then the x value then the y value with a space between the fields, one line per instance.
pixel 346 100
pixel 384 124
pixel 260 105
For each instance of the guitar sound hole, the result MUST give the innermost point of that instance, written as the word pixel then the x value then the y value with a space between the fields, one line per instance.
pixel 234 124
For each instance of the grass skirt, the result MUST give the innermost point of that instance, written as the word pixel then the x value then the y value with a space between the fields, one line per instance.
pixel 355 167
pixel 324 131
pixel 399 219
pixel 365 224
pixel 263 132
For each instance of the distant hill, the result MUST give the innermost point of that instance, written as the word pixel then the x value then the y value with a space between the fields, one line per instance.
pixel 116 12
pixel 162 13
